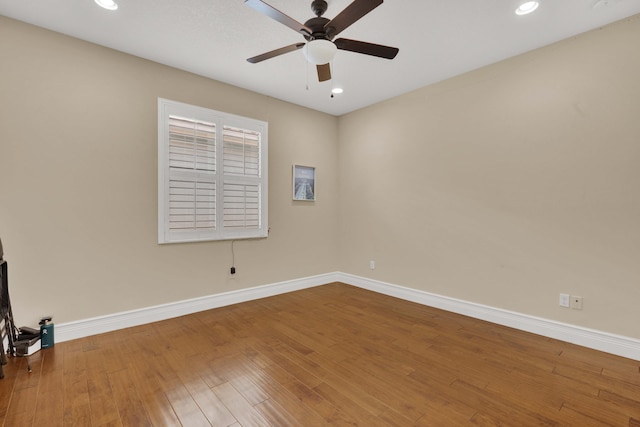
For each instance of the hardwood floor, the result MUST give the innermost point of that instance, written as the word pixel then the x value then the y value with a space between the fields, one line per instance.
pixel 331 355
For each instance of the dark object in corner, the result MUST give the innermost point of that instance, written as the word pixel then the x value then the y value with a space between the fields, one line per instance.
pixel 25 339
pixel 19 340
pixel 28 332
pixel 46 332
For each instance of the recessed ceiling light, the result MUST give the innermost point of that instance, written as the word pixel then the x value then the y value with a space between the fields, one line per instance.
pixel 107 4
pixel 525 8
pixel 337 90
pixel 601 3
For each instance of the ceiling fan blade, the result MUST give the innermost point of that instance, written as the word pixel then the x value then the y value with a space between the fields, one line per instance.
pixel 276 52
pixel 372 49
pixel 274 13
pixel 324 72
pixel 349 15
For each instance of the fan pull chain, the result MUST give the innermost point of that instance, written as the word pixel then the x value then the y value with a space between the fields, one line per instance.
pixel 333 71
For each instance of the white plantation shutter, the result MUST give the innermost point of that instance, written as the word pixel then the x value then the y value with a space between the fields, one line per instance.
pixel 192 168
pixel 241 159
pixel 212 181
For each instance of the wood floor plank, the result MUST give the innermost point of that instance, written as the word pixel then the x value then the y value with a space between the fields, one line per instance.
pixel 237 405
pixel 7 384
pixel 104 410
pixel 338 377
pixel 153 375
pixel 393 395
pixel 597 382
pixel 26 379
pixel 499 407
pixel 568 417
pixel 631 375
pixel 23 409
pixel 315 401
pixel 211 406
pixel 201 403
pixel 128 400
pixel 286 360
pixel 49 404
pixel 159 410
pixel 188 411
pixel 76 403
pixel 77 407
pixel 245 377
pixel 290 377
pixel 357 412
pixel 103 406
pixel 327 355
pixel 52 359
pixel 275 414
pixel 441 413
pixel 627 405
pixel 285 405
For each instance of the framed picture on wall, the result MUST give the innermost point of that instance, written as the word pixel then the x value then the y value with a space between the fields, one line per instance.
pixel 304 183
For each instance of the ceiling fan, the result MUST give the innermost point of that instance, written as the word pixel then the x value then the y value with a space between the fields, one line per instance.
pixel 320 32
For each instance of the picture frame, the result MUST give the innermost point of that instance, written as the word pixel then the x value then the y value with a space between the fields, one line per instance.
pixel 304 183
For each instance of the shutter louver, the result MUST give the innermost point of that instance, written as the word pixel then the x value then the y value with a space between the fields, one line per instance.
pixel 241 152
pixel 241 206
pixel 192 205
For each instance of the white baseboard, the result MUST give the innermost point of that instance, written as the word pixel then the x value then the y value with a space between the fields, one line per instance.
pixel 111 322
pixel 598 340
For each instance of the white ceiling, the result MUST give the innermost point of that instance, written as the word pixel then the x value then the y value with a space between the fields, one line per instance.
pixel 437 39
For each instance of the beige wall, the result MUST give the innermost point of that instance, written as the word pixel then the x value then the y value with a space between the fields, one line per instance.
pixel 504 186
pixel 78 174
pixel 507 185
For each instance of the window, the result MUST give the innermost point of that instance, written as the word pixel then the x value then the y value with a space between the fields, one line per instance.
pixel 212 175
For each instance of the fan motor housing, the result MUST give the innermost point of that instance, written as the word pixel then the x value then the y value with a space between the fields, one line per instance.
pixel 316 25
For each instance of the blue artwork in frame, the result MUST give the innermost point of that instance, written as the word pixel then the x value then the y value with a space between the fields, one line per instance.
pixel 304 183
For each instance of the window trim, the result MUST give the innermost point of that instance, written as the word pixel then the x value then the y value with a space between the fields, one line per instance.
pixel 167 108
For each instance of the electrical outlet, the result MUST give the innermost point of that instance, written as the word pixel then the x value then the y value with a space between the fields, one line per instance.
pixel 372 264
pixel 565 300
pixel 576 303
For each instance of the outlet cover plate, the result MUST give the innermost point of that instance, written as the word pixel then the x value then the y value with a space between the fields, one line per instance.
pixel 564 300
pixel 576 303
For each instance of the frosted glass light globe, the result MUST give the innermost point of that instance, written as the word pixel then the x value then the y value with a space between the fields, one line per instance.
pixel 319 51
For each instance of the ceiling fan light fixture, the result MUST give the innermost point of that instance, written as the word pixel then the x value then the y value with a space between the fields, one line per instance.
pixel 527 7
pixel 107 4
pixel 319 51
